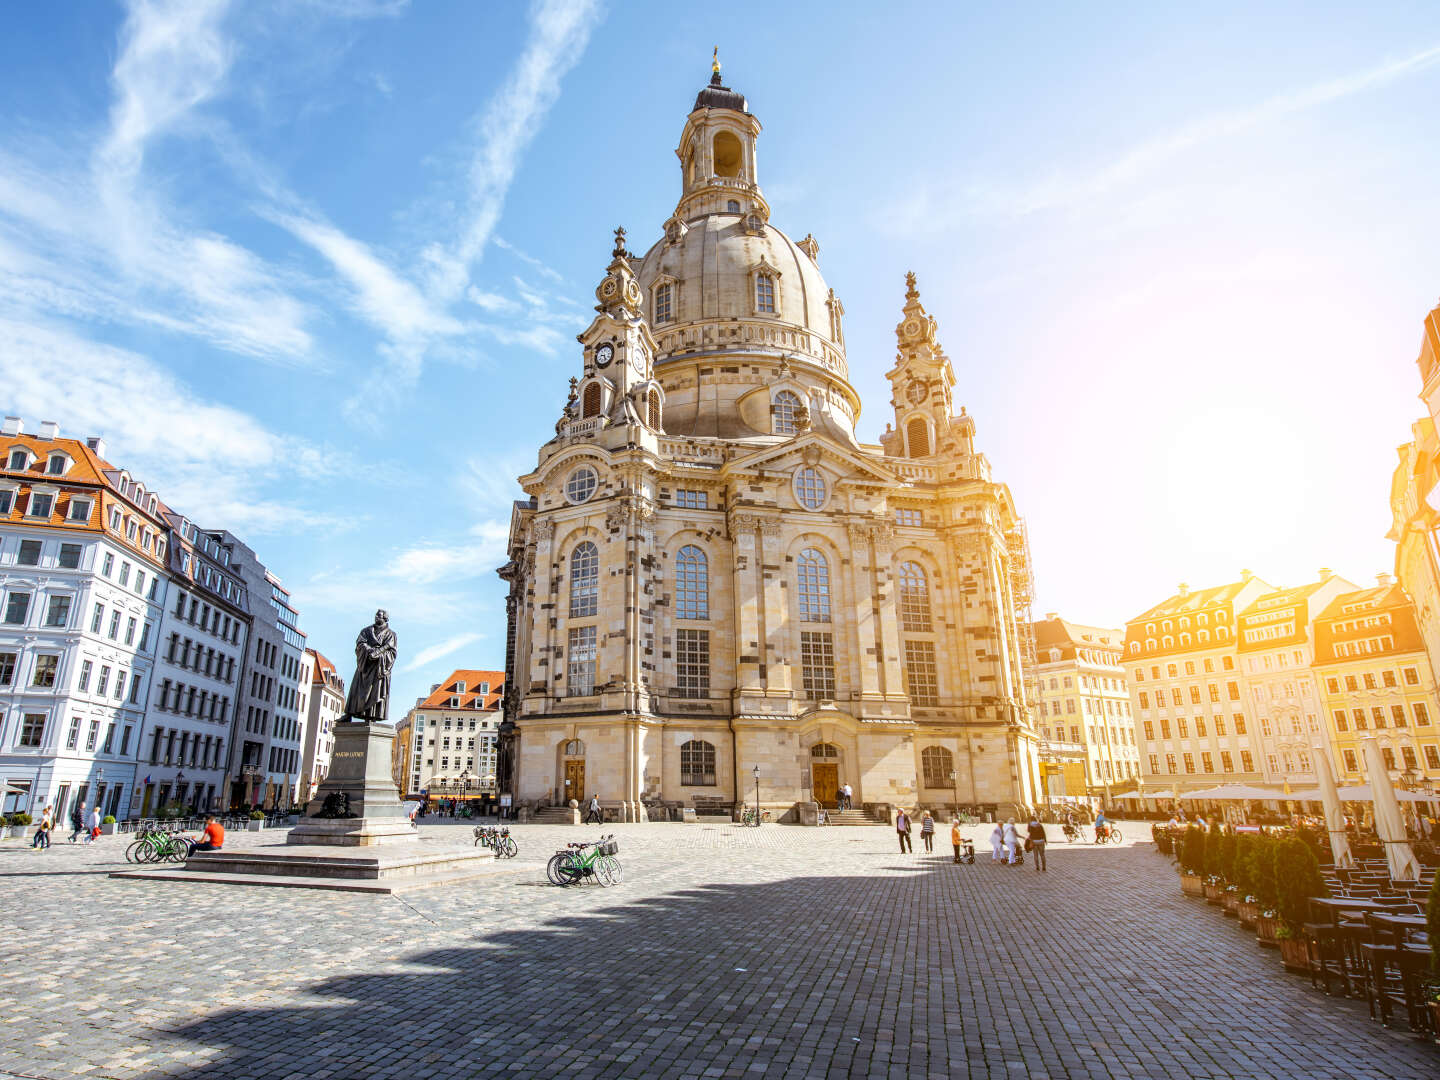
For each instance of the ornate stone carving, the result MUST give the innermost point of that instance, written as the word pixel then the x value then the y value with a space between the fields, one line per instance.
pixel 542 529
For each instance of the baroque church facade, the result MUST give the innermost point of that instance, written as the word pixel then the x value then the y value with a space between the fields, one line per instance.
pixel 712 576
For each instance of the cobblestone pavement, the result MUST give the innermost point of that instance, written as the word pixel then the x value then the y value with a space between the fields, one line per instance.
pixel 727 952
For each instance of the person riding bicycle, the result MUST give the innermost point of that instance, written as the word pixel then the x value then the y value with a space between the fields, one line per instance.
pixel 1102 827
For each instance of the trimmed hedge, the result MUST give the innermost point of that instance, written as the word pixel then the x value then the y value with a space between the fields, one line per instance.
pixel 1297 878
pixel 1192 852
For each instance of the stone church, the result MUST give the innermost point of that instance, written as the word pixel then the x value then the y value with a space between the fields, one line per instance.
pixel 715 584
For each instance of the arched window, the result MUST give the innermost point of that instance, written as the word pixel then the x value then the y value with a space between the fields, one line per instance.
pixel 732 207
pixel 765 293
pixel 784 408
pixel 917 435
pixel 728 152
pixel 915 599
pixel 814 580
pixel 584 580
pixel 935 764
pixel 692 584
pixel 1221 633
pixel 590 404
pixel 654 402
pixel 697 764
pixel 574 748
pixel 1167 642
pixel 1185 639
pixel 663 295
pixel 825 750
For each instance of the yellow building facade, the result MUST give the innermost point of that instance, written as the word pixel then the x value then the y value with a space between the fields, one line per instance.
pixel 714 583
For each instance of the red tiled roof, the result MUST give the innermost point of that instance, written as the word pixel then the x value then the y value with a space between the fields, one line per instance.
pixel 469 699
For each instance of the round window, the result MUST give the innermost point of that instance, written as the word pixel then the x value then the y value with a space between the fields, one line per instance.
pixel 810 489
pixel 581 484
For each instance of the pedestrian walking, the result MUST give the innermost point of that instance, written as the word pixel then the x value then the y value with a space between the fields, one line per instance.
pixel 42 832
pixel 849 805
pixel 927 830
pixel 955 837
pixel 997 843
pixel 1012 841
pixel 902 830
pixel 1036 843
pixel 594 811
pixel 94 824
pixel 77 819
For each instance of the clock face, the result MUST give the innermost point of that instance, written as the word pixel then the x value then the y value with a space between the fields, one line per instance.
pixel 608 288
pixel 916 392
pixel 604 354
pixel 912 326
pixel 637 360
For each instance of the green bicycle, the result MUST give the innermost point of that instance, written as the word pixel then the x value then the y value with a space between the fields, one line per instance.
pixel 156 846
pixel 577 862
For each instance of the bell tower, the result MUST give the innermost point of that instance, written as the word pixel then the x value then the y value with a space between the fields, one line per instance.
pixel 717 157
pixel 920 384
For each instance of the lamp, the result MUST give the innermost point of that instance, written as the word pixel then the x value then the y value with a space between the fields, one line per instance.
pixel 757 796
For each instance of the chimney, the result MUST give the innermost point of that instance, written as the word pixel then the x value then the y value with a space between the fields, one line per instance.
pixel 97 444
pixel 1247 575
pixel 1382 579
pixel 1326 573
pixel 1183 589
pixel 49 429
pixel 12 426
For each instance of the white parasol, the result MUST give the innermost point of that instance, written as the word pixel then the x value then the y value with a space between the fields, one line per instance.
pixel 1388 823
pixel 1334 816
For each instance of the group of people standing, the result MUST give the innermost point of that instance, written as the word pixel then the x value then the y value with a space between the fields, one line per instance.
pixel 1006 842
pixel 86 826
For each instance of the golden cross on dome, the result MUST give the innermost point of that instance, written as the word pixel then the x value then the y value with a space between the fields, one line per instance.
pixel 911 292
pixel 715 61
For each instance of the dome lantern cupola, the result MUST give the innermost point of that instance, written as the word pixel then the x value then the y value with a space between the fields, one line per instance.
pixel 717 156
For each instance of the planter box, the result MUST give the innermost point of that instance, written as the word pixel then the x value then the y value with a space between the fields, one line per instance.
pixel 1295 955
pixel 1232 905
pixel 109 830
pixel 1265 928
pixel 21 832
pixel 255 826
pixel 1247 914
pixel 1192 884
pixel 1215 894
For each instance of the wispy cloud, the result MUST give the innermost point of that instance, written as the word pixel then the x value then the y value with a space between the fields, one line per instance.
pixel 440 650
pixel 539 265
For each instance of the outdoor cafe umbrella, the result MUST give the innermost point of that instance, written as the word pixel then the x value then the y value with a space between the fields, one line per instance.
pixel 1334 816
pixel 1234 792
pixel 1388 822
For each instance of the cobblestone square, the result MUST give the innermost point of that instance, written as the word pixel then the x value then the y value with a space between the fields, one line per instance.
pixel 726 952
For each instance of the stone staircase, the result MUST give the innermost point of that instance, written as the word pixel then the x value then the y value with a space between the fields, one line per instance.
pixel 850 817
pixel 553 815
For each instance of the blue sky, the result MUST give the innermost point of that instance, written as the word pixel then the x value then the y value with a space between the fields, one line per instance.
pixel 315 270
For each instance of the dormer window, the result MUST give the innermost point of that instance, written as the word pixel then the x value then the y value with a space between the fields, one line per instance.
pixel 79 509
pixel 483 688
pixel 41 504
pixel 115 519
pixel 460 686
pixel 19 459
pixel 57 464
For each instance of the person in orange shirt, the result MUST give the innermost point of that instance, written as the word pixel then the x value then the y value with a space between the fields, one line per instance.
pixel 212 839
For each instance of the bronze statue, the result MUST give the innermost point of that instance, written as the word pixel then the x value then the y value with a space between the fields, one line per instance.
pixel 369 696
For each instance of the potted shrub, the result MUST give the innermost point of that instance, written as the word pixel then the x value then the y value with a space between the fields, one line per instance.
pixel 1297 878
pixel 1262 862
pixel 107 825
pixel 1164 841
pixel 1214 885
pixel 1248 910
pixel 1232 896
pixel 1432 925
pixel 1192 862
pixel 257 820
pixel 19 825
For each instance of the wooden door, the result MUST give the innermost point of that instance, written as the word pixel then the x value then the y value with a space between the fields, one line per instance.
pixel 825 781
pixel 575 777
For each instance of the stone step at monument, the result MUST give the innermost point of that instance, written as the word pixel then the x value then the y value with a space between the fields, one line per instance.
pixel 851 817
pixel 553 815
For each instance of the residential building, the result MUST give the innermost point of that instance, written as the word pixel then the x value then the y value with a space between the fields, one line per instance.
pixel 322 703
pixel 203 636
pixel 451 736
pixel 1194 724
pixel 1376 681
pixel 1275 650
pixel 1087 730
pixel 711 574
pixel 82 555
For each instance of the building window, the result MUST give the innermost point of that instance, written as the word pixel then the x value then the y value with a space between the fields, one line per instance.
pixel 692 500
pixel 813 576
pixel 765 294
pixel 810 488
pixel 914 598
pixel 32 730
pixel 29 554
pixel 692 584
pixel 817 665
pixel 654 410
pixel 697 764
pixel 783 411
pixel 581 484
pixel 1422 715
pixel 921 681
pixel 907 517
pixel 692 663
pixel 46 667
pixel 1432 756
pixel 1227 763
pixel 1189 763
pixel 663 295
pixel 19 459
pixel 40 505
pixel 590 401
pixel 1350 763
pixel 917 437
pixel 17 608
pixel 1247 762
pixel 584 580
pixel 70 556
pixel 57 613
pixel 1170 763
pixel 7 499
pixel 580 662
pixel 1412 677
pixel 936 765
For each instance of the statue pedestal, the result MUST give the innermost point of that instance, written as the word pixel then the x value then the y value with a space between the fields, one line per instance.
pixel 359 770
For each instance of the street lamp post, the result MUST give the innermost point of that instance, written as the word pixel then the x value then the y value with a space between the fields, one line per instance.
pixel 757 796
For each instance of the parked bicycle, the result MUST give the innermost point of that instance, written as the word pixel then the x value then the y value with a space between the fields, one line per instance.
pixel 577 863
pixel 749 817
pixel 1075 831
pixel 158 845
pixel 497 839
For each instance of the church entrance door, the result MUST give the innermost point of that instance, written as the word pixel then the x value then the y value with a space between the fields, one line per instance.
pixel 575 781
pixel 825 782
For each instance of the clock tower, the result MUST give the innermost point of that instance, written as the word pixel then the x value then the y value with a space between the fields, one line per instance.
pixel 921 383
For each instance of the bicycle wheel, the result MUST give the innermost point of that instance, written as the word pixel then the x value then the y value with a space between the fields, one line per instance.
pixel 1115 836
pixel 178 852
pixel 612 869
pixel 572 870
pixel 508 848
pixel 132 853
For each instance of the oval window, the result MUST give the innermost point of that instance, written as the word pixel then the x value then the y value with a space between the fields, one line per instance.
pixel 810 489
pixel 581 484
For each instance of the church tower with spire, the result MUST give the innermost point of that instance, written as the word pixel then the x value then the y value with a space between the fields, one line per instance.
pixel 712 572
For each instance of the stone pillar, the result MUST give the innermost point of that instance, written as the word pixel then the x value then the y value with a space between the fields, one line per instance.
pixel 746 562
pixel 778 676
pixel 868 646
pixel 892 680
pixel 360 771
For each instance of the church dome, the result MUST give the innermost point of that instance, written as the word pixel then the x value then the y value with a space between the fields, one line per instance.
pixel 732 282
